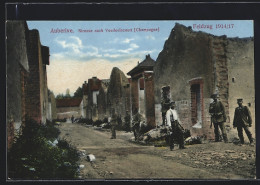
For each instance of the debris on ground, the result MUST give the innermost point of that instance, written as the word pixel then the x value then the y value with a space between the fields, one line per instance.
pixel 91 158
pixel 194 140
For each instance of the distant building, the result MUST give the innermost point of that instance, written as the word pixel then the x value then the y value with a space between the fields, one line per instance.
pixel 84 101
pixel 93 87
pixel 52 113
pixel 68 107
pixel 103 111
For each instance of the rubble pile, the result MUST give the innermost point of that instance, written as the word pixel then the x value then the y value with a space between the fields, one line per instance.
pixel 160 134
pixel 194 140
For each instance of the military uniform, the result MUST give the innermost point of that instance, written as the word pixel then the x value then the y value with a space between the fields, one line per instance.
pixel 127 122
pixel 242 119
pixel 165 103
pixel 137 119
pixel 114 124
pixel 218 117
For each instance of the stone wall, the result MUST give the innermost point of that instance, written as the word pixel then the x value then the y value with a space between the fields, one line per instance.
pixel 67 112
pixel 240 61
pixel 102 102
pixel 53 106
pixel 117 92
pixel 17 70
pixel 37 97
pixel 196 65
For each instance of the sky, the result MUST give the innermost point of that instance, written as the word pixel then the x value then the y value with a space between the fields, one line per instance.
pixel 77 55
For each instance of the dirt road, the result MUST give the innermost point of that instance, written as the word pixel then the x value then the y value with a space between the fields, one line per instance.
pixel 121 159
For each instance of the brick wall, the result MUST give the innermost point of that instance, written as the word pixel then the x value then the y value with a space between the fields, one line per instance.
pixel 149 99
pixel 134 96
pixel 221 70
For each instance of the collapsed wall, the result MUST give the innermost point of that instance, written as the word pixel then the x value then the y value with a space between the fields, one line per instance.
pixel 118 93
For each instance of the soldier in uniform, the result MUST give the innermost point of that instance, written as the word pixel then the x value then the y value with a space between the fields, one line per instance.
pixel 114 120
pixel 165 102
pixel 242 119
pixel 127 121
pixel 218 117
pixel 138 119
pixel 177 130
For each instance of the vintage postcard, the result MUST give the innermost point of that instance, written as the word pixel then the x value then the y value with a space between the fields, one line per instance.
pixel 167 99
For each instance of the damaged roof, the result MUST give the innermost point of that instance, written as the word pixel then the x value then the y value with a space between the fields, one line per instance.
pixel 146 64
pixel 68 102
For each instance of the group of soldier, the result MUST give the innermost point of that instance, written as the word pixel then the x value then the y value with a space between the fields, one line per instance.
pixel 242 120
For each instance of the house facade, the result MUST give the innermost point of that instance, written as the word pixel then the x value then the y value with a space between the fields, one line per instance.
pixel 26 81
pixel 68 107
pixel 196 65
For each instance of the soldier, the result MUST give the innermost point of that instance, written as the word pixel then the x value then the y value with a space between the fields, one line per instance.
pixel 177 130
pixel 114 123
pixel 218 118
pixel 72 119
pixel 242 119
pixel 138 119
pixel 127 121
pixel 165 102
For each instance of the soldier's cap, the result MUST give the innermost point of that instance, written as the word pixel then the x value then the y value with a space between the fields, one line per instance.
pixel 214 96
pixel 166 88
pixel 240 100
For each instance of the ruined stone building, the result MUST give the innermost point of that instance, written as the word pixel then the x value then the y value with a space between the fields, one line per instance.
pixel 102 100
pixel 17 71
pixel 93 87
pixel 26 77
pixel 196 65
pixel 84 101
pixel 37 91
pixel 142 90
pixel 118 93
pixel 68 107
pixel 52 113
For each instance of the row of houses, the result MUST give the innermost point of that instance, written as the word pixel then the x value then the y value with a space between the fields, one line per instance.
pixel 194 65
pixel 26 79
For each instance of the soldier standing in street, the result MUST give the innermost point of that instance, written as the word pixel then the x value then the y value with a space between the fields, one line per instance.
pixel 177 130
pixel 114 124
pixel 218 118
pixel 242 119
pixel 138 119
pixel 165 103
pixel 127 121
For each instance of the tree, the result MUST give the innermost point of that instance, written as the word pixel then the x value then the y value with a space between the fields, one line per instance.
pixel 60 96
pixel 67 93
pixel 78 93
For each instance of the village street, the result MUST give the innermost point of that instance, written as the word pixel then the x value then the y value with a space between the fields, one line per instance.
pixel 122 159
